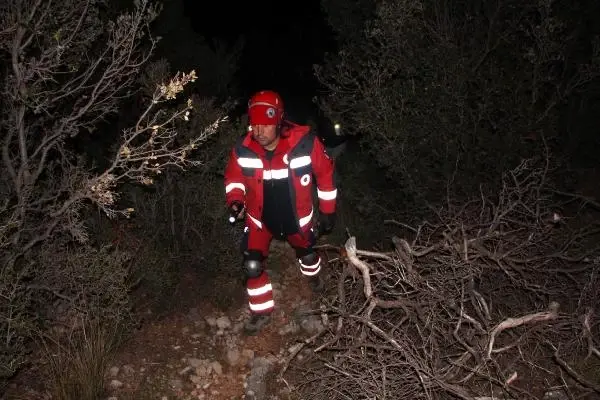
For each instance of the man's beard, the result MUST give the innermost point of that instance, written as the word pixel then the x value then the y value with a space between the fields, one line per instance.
pixel 263 141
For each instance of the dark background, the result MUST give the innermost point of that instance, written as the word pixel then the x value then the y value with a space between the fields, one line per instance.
pixel 282 42
pixel 445 123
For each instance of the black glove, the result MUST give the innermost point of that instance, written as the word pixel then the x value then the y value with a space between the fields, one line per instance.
pixel 326 223
pixel 235 211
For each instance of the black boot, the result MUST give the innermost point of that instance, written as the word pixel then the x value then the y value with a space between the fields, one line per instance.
pixel 256 323
pixel 316 283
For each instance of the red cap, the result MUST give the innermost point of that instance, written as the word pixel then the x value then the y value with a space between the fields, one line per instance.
pixel 265 108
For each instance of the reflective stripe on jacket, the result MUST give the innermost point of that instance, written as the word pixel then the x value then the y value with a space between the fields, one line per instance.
pixel 299 156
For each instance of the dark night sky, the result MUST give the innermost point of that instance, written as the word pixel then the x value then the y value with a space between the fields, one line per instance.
pixel 283 41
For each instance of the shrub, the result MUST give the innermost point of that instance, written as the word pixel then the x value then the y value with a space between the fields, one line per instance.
pixel 51 95
pixel 452 94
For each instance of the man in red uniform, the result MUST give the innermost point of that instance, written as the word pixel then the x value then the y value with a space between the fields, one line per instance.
pixel 269 183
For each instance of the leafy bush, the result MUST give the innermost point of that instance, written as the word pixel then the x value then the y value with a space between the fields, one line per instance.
pixel 451 94
pixel 52 272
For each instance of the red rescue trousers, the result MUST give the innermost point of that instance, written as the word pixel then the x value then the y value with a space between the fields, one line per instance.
pixel 260 290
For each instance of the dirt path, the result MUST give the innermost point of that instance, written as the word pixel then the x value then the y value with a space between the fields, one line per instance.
pixel 200 352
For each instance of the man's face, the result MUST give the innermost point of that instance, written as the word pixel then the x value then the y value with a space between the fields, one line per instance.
pixel 265 135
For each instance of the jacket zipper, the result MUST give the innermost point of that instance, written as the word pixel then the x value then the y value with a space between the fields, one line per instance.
pixel 276 211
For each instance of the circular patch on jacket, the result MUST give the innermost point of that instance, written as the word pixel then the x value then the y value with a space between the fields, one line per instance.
pixel 305 180
pixel 270 112
pixel 285 159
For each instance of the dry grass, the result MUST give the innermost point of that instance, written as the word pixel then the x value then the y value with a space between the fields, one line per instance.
pixel 77 362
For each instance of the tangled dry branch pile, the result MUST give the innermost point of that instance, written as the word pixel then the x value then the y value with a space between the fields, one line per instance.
pixel 498 299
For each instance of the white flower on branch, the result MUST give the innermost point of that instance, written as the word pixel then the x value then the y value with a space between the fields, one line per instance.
pixel 169 91
pixel 52 94
pixel 68 70
pixel 125 151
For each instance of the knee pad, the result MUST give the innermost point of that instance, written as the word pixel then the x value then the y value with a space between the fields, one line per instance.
pixel 309 259
pixel 252 264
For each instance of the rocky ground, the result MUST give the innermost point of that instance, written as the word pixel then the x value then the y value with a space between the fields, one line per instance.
pixel 203 353
pixel 199 350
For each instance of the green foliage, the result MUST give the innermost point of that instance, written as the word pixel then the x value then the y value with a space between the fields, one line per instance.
pixel 154 271
pixel 92 282
pixel 449 94
pixel 61 287
pixel 185 220
pixel 57 275
pixel 362 209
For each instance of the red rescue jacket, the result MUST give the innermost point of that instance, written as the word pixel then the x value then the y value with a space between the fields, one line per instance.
pixel 299 156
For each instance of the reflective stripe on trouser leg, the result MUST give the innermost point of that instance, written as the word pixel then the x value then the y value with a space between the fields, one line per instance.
pixel 260 294
pixel 310 270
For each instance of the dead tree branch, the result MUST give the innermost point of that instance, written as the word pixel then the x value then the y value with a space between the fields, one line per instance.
pixel 446 312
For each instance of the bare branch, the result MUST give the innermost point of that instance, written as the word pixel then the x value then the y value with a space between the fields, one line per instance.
pixel 451 311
